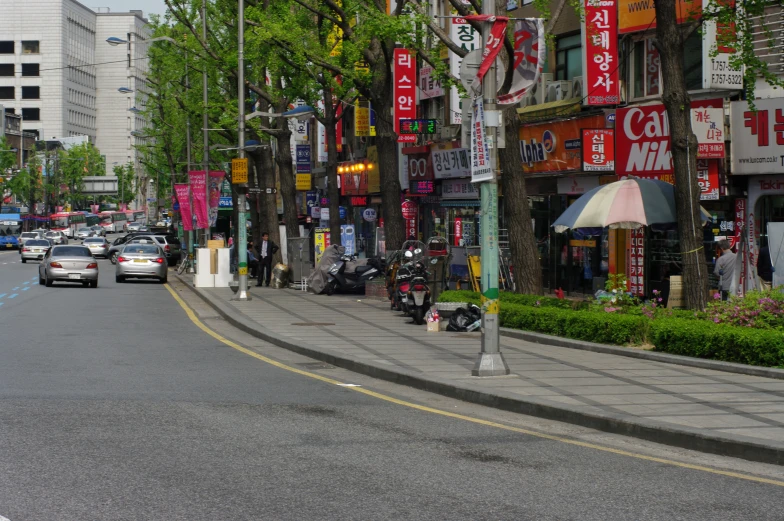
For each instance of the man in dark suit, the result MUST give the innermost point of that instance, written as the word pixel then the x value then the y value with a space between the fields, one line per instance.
pixel 266 249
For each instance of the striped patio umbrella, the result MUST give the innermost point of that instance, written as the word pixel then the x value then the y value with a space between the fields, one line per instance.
pixel 629 204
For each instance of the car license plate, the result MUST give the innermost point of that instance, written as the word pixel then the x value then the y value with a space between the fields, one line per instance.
pixel 74 276
pixel 140 260
pixel 37 250
pixel 8 245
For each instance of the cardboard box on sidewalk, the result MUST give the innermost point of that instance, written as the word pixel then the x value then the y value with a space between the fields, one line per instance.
pixel 433 327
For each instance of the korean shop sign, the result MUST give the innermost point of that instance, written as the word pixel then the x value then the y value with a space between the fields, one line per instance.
pixel 598 149
pixel 600 40
pixel 404 91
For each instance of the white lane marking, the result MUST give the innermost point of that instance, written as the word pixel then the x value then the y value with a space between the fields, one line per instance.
pixel 14 295
pixel 14 289
pixel 349 385
pixel 25 289
pixel 26 282
pixel 3 295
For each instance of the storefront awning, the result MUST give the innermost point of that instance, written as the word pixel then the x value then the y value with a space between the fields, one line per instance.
pixel 462 202
pixel 551 109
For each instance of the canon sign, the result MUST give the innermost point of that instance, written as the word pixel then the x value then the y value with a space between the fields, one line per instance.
pixel 643 145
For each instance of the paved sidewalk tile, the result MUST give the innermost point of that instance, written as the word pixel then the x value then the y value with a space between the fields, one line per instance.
pixel 595 382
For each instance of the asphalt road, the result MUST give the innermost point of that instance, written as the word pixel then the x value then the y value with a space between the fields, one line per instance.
pixel 114 405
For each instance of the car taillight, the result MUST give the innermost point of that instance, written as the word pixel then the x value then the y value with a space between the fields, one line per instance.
pixel 92 266
pixel 121 259
pixel 159 260
pixel 25 249
pixel 55 265
pixel 167 249
pixel 419 287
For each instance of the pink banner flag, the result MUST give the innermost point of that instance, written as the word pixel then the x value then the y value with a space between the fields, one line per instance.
pixel 216 179
pixel 183 194
pixel 495 41
pixel 198 179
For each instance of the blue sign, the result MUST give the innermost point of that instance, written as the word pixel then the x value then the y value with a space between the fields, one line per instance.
pixel 225 202
pixel 176 207
pixel 347 238
pixel 342 212
pixel 369 215
pixel 303 159
pixel 610 117
pixel 311 199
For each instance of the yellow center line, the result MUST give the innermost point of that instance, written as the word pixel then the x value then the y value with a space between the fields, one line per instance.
pixel 431 410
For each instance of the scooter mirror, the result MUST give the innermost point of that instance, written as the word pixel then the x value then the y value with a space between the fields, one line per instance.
pixel 434 261
pixel 408 254
pixel 418 251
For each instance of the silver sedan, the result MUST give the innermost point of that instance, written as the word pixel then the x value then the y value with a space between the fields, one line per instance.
pixel 35 249
pixel 83 233
pixel 142 261
pixel 68 264
pixel 98 246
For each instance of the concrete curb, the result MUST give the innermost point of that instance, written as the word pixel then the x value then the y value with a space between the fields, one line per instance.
pixel 716 365
pixel 659 432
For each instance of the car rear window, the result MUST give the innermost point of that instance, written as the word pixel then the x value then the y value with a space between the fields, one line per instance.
pixel 172 240
pixel 37 242
pixel 28 235
pixel 88 241
pixel 141 248
pixel 71 251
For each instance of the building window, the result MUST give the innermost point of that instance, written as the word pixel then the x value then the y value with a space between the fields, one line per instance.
pixel 31 114
pixel 7 93
pixel 646 67
pixel 10 111
pixel 692 61
pixel 7 47
pixel 568 58
pixel 6 69
pixel 31 69
pixel 30 47
pixel 31 92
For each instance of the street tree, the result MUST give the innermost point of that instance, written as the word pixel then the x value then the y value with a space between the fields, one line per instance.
pixel 76 163
pixel 126 184
pixel 739 27
pixel 26 184
pixel 7 161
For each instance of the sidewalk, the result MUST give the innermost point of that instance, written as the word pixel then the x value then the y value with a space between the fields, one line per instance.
pixel 696 408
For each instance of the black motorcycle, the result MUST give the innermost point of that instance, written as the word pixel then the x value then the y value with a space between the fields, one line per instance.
pixel 418 298
pixel 340 279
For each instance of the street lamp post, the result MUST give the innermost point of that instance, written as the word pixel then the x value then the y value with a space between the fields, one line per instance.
pixel 490 361
pixel 242 231
pixel 205 118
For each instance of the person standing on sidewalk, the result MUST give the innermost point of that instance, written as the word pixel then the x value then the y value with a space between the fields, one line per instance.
pixel 266 250
pixel 253 262
pixel 725 269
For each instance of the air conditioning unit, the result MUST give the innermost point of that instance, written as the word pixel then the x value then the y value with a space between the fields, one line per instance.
pixel 558 91
pixel 578 88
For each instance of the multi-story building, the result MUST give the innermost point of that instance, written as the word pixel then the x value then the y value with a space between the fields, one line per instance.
pixel 58 72
pixel 123 67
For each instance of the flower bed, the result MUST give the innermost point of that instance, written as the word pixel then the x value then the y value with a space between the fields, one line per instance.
pixel 748 330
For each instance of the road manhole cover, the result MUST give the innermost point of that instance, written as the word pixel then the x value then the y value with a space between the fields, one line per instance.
pixel 316 365
pixel 312 323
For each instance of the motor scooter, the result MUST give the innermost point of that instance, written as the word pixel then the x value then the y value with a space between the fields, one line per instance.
pixel 418 298
pixel 345 281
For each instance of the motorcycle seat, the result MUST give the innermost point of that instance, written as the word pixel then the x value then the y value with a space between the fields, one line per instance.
pixel 363 269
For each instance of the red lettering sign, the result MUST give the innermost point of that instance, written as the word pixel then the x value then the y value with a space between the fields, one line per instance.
pixel 601 48
pixel 410 211
pixel 598 149
pixel 458 231
pixel 405 90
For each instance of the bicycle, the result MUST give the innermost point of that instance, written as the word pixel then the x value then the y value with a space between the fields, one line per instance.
pixel 185 264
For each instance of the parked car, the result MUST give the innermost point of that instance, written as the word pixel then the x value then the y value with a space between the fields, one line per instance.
pixel 98 246
pixel 140 260
pixel 56 237
pixel 68 264
pixel 8 242
pixel 170 244
pixel 34 249
pixel 83 233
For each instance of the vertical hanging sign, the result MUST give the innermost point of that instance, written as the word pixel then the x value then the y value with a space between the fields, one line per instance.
pixel 600 39
pixel 458 230
pixel 481 168
pixel 740 225
pixel 198 180
pixel 637 269
pixel 410 212
pixel 405 91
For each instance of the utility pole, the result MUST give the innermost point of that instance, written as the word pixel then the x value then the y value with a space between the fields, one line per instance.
pixel 490 361
pixel 242 231
pixel 205 119
pixel 188 153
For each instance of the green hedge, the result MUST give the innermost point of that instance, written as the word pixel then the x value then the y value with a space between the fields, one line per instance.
pixel 703 339
pixel 681 333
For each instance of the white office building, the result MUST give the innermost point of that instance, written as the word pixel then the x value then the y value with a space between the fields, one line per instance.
pixel 58 72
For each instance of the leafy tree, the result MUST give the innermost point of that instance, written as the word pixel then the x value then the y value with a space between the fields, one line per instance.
pixel 126 188
pixel 26 185
pixel 7 161
pixel 76 163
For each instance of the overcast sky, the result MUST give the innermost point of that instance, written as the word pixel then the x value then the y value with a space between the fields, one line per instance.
pixel 119 6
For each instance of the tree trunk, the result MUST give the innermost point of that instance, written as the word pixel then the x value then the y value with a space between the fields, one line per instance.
pixel 332 170
pixel 269 206
pixel 288 186
pixel 669 42
pixel 522 241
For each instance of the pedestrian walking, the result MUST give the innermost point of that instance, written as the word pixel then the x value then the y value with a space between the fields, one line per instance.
pixel 725 269
pixel 266 250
